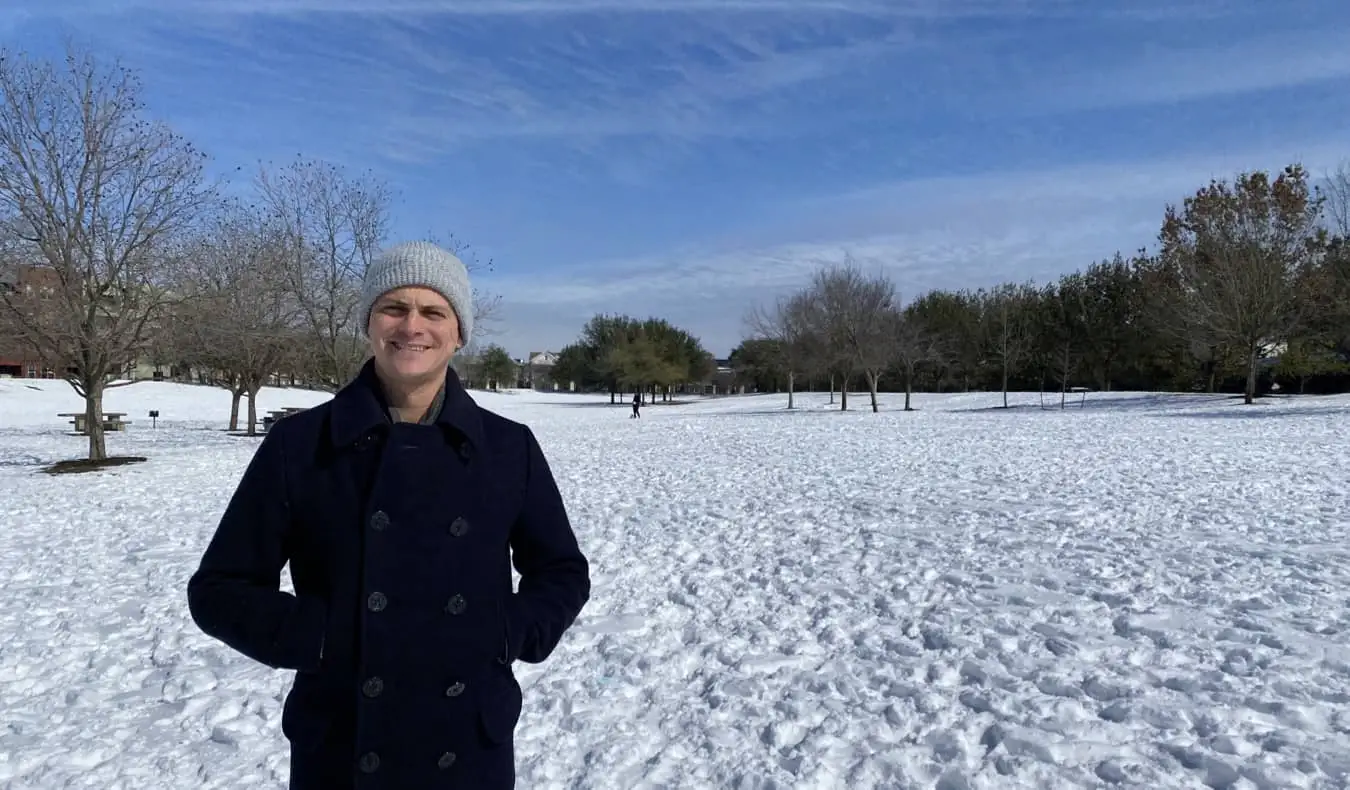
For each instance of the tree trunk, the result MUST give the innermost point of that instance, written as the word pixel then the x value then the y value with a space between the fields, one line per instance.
pixel 843 394
pixel 909 385
pixel 831 389
pixel 93 418
pixel 872 385
pixel 1064 380
pixel 253 410
pixel 1249 395
pixel 236 393
pixel 1005 381
pixel 1005 364
pixel 790 383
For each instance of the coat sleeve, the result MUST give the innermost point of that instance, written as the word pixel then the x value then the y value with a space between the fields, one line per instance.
pixel 235 594
pixel 554 575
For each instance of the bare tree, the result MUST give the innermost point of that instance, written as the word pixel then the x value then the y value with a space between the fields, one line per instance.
pixel 1336 263
pixel 486 304
pixel 786 323
pixel 334 225
pixel 299 366
pixel 1238 255
pixel 1336 193
pixel 96 197
pixel 1008 328
pixel 467 363
pixel 914 343
pixel 854 313
pixel 246 310
pixel 1064 330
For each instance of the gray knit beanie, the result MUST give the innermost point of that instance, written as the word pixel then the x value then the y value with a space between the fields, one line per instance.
pixel 425 264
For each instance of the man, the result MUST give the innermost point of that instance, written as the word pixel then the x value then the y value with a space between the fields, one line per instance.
pixel 400 505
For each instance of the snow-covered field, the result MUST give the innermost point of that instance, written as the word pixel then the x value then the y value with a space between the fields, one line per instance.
pixel 1152 591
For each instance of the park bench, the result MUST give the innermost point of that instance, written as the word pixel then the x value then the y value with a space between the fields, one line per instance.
pixel 112 421
pixel 277 414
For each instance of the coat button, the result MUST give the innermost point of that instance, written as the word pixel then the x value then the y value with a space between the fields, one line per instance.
pixel 456 605
pixel 455 689
pixel 377 601
pixel 447 760
pixel 379 520
pixel 369 763
pixel 372 687
pixel 459 528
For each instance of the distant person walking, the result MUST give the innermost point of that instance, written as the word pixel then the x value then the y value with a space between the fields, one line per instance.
pixel 395 504
pixel 637 406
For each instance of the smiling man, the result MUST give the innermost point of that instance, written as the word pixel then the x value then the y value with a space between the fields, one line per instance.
pixel 400 505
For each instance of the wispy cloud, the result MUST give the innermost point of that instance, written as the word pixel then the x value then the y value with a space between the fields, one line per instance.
pixel 687 156
pixel 426 86
pixel 1222 68
pixel 590 73
pixel 924 10
pixel 946 232
pixel 894 8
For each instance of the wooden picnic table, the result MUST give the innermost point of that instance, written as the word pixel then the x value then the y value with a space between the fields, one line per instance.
pixel 276 414
pixel 112 420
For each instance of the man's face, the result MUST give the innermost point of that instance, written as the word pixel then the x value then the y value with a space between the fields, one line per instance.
pixel 413 334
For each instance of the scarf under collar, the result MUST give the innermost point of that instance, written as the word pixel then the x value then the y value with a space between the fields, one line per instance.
pixel 433 411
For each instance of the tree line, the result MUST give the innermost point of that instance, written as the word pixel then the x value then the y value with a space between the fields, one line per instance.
pixel 117 248
pixel 620 353
pixel 1249 285
pixel 145 258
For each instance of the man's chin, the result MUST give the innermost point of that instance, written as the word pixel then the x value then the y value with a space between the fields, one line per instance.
pixel 413 370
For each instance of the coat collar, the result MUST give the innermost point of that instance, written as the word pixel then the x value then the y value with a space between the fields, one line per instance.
pixel 360 407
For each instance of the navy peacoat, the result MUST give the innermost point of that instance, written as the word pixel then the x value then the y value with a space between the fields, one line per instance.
pixel 405 623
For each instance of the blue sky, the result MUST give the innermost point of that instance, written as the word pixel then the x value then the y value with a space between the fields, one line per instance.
pixel 692 158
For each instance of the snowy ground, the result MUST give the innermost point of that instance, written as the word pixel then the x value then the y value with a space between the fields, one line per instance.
pixel 1149 592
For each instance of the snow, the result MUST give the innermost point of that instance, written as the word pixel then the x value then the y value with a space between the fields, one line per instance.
pixel 1146 591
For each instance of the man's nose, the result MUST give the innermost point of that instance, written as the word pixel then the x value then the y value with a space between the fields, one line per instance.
pixel 412 321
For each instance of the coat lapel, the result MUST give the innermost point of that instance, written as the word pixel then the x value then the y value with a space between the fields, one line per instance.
pixel 360 411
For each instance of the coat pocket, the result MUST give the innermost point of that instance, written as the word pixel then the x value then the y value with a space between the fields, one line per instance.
pixel 499 704
pixel 306 715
